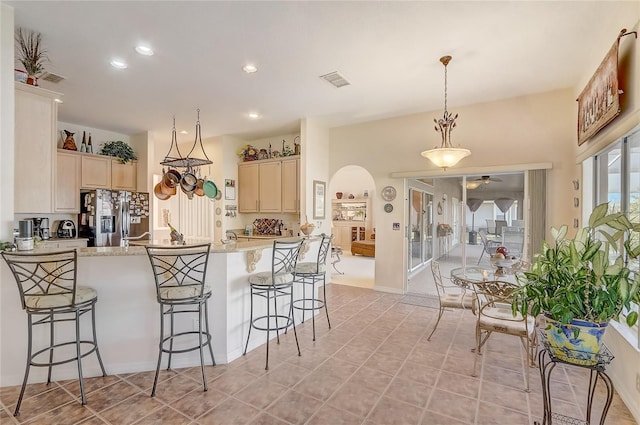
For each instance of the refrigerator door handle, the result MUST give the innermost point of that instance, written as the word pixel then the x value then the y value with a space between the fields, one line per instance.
pixel 126 215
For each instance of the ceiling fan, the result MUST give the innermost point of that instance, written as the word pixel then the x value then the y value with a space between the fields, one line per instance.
pixel 474 184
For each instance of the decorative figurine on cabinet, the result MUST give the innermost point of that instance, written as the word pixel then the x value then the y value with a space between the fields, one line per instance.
pixel 69 142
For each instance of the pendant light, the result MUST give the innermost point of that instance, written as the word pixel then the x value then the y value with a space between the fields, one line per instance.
pixel 446 155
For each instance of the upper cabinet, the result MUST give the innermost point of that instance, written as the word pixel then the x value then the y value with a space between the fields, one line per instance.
pixel 291 185
pixel 67 184
pixel 269 186
pixel 96 172
pixel 36 116
pixel 124 176
pixel 106 172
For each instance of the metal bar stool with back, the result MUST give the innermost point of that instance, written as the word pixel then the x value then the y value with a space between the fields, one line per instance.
pixel 50 295
pixel 272 285
pixel 310 273
pixel 179 273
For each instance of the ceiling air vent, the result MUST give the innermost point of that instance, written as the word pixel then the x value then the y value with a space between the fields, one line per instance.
pixel 52 78
pixel 335 79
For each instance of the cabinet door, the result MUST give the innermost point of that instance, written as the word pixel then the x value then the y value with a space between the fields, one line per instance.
pixel 124 176
pixel 248 178
pixel 67 184
pixel 270 192
pixel 96 172
pixel 290 185
pixel 35 146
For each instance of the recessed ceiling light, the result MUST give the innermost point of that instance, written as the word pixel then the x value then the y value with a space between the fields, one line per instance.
pixel 58 100
pixel 184 132
pixel 253 115
pixel 249 69
pixel 118 64
pixel 144 50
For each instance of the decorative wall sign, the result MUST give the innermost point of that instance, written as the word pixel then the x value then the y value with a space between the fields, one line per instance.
pixel 599 102
pixel 318 199
pixel 229 189
pixel 388 208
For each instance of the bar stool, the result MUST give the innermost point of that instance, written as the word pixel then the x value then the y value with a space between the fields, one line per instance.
pixel 50 295
pixel 272 285
pixel 179 273
pixel 308 273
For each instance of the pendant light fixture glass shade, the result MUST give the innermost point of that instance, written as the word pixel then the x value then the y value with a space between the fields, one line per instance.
pixel 446 155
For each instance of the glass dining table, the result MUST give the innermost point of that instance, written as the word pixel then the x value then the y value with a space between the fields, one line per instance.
pixel 466 276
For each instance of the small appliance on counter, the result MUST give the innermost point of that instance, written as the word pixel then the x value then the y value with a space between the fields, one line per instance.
pixel 24 241
pixel 66 229
pixel 41 228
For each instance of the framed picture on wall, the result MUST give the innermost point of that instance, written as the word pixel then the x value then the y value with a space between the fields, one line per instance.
pixel 319 190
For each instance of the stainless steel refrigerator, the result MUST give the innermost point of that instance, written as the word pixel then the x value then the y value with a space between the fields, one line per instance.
pixel 106 216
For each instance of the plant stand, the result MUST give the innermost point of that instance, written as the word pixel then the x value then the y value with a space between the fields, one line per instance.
pixel 547 362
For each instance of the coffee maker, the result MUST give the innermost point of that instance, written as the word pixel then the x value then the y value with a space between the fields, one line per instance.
pixel 41 227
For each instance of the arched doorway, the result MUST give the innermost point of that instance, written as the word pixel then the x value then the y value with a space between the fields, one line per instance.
pixel 351 189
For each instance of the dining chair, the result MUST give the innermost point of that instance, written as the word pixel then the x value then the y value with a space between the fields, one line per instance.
pixel 500 225
pixel 513 241
pixel 462 298
pixel 495 315
pixel 489 247
pixel 491 226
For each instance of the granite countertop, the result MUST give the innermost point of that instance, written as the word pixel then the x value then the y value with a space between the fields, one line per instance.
pixel 138 248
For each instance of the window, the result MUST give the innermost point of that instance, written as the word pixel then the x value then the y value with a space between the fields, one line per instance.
pixel 617 181
pixel 420 228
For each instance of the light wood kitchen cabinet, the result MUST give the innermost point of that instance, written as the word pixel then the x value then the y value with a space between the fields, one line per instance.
pixel 36 116
pixel 124 176
pixel 96 172
pixel 270 187
pixel 342 236
pixel 248 187
pixel 291 185
pixel 67 183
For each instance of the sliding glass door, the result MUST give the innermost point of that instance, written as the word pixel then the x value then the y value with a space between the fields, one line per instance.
pixel 420 228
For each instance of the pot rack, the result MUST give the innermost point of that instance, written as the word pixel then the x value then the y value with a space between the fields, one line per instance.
pixel 190 161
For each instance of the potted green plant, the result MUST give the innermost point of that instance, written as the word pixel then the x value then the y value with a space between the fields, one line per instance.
pixel 580 284
pixel 120 150
pixel 30 53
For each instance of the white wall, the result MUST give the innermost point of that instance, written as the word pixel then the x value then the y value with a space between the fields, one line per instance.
pixel 98 136
pixel 351 180
pixel 314 165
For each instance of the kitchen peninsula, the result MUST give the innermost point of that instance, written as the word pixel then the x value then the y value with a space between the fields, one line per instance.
pixel 127 310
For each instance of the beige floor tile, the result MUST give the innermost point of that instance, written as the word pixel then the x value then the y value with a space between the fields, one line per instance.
pixel 432 418
pixel 509 397
pixel 131 409
pixel 371 378
pixel 9 395
pixel 425 357
pixel 454 405
pixel 93 421
pixel 287 374
pixel 69 413
pixel 232 381
pixel 261 393
pixel 266 419
pixel 211 372
pixel 354 399
pixel 409 391
pixel 144 380
pixel 385 364
pixel 164 415
pixel 229 412
pixel 294 407
pixel 198 402
pixel 329 415
pixel 493 414
pixel 422 374
pixel 91 384
pixel 42 403
pixel 176 387
pixel 338 368
pixel 459 384
pixel 504 376
pixel 319 385
pixel 355 355
pixel 393 412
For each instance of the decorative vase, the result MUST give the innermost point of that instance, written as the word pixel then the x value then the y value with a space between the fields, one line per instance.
pixel 32 80
pixel 579 349
pixel 69 142
pixel 339 195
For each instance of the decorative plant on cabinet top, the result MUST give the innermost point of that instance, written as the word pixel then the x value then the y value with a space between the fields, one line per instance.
pixel 30 53
pixel 120 150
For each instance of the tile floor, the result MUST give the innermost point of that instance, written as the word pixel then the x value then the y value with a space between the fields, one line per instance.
pixel 375 367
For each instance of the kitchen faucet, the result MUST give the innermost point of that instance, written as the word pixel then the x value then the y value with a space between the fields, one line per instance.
pixel 125 240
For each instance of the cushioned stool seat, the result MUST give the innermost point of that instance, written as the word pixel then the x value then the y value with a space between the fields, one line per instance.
pixel 267 278
pixel 60 298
